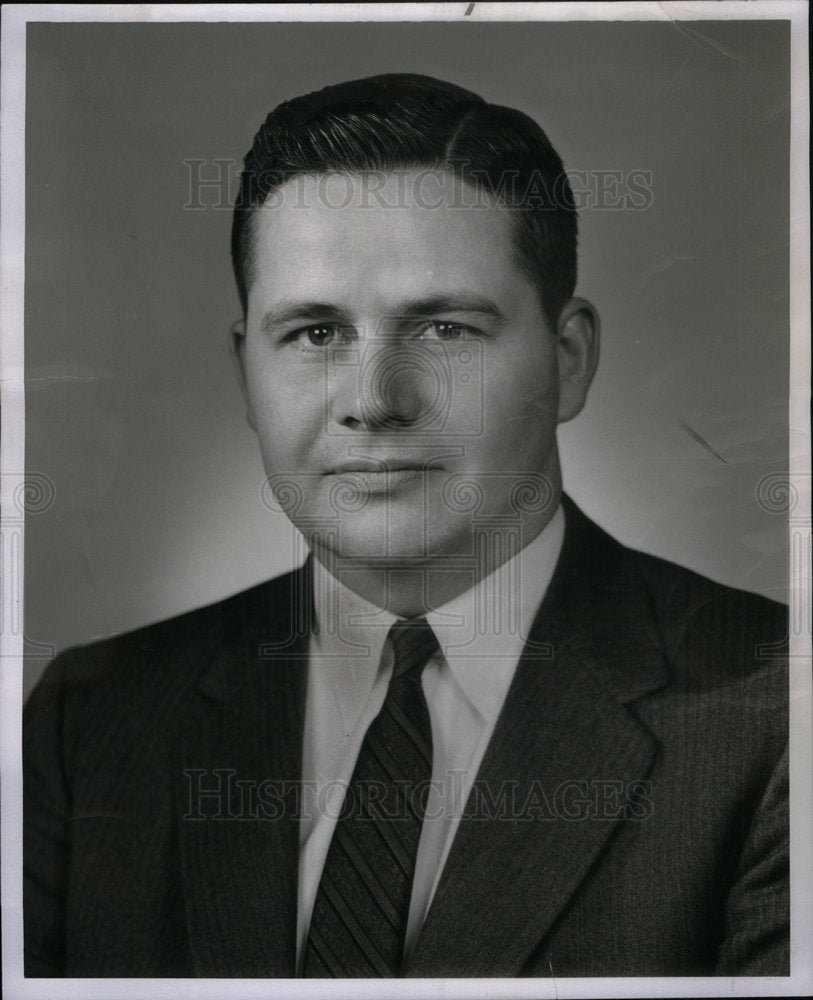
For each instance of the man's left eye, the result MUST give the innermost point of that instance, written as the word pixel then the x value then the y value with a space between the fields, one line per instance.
pixel 446 330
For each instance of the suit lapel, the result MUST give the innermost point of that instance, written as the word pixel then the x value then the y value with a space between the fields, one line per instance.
pixel 238 770
pixel 564 757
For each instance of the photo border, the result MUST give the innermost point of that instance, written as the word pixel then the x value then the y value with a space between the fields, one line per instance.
pixel 15 17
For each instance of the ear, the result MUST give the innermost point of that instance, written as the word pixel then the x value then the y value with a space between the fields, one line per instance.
pixel 577 347
pixel 237 349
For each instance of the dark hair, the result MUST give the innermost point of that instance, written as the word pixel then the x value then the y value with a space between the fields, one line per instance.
pixel 402 120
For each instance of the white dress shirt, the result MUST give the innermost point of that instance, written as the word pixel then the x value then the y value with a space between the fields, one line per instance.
pixel 481 634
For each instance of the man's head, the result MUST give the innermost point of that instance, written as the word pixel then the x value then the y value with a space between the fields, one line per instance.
pixel 409 346
pixel 404 121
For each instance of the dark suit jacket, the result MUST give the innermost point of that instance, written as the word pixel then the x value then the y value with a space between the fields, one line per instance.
pixel 631 820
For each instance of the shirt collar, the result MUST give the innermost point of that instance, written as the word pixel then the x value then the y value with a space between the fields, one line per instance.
pixel 481 632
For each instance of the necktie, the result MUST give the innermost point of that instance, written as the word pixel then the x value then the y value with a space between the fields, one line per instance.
pixel 360 915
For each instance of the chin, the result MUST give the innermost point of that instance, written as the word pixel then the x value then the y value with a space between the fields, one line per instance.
pixel 403 536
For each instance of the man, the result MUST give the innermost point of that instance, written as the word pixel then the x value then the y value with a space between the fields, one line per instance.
pixel 472 735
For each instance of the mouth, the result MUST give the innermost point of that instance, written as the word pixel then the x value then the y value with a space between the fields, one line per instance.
pixel 383 476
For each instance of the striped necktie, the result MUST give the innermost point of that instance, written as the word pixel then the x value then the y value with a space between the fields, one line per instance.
pixel 362 906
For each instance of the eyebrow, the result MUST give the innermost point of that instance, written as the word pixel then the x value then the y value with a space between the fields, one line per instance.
pixel 465 302
pixel 290 311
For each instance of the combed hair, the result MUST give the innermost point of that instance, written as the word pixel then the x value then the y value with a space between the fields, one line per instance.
pixel 402 121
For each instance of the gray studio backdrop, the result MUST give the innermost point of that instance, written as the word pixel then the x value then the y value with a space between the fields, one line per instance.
pixel 678 134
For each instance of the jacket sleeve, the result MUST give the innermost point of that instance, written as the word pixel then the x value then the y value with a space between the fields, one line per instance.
pixel 757 915
pixel 45 819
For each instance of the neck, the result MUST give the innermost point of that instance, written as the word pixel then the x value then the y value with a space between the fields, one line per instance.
pixel 410 591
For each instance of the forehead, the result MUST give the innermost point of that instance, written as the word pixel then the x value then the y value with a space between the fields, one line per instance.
pixel 386 234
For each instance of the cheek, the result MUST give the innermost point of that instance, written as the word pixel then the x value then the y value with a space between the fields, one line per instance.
pixel 521 402
pixel 278 400
pixel 273 420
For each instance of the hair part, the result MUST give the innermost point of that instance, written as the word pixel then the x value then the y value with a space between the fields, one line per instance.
pixel 403 121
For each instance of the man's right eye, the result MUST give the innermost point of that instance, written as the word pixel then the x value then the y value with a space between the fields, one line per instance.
pixel 320 335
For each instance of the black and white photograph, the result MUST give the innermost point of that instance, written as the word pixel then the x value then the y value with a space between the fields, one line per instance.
pixel 406 500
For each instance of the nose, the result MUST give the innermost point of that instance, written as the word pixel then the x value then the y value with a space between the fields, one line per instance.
pixel 393 386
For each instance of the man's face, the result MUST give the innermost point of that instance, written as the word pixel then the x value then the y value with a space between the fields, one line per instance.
pixel 399 370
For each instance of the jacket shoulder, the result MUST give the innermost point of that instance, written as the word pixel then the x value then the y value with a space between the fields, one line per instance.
pixel 718 641
pixel 161 662
pixel 693 609
pixel 708 632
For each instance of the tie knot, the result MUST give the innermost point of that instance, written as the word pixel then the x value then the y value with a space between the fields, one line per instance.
pixel 413 643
